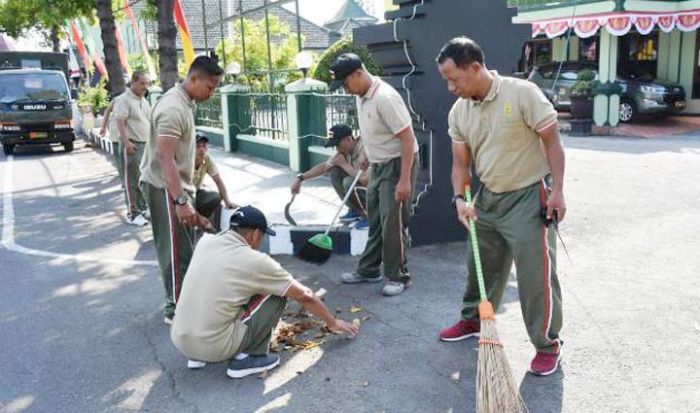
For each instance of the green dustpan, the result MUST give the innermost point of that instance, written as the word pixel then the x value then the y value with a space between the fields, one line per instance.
pixel 319 247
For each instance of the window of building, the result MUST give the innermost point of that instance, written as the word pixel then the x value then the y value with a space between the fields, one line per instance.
pixel 588 49
pixel 639 51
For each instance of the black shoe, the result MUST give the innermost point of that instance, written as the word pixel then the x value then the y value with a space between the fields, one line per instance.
pixel 251 365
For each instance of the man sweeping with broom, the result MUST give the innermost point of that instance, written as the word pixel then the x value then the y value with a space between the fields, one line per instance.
pixel 509 129
pixel 392 150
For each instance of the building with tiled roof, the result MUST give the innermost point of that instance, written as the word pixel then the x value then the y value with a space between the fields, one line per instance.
pixel 351 15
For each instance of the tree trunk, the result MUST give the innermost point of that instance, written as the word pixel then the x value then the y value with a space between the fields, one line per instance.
pixel 167 51
pixel 55 41
pixel 109 40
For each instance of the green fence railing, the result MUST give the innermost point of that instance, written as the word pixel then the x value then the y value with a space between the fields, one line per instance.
pixel 342 109
pixel 269 115
pixel 209 112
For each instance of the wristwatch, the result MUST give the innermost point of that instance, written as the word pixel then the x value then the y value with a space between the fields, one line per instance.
pixel 456 197
pixel 181 200
pixel 300 177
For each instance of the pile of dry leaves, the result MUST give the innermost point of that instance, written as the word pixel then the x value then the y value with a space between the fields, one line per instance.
pixel 302 331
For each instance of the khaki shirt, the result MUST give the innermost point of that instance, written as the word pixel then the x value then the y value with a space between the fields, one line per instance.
pixel 502 133
pixel 207 167
pixel 136 111
pixel 356 157
pixel 224 274
pixel 382 115
pixel 172 117
pixel 112 130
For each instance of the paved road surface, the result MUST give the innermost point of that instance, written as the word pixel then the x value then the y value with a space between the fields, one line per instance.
pixel 81 327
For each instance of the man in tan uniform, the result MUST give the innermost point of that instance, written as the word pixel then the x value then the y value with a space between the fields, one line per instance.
pixel 343 166
pixel 392 150
pixel 233 297
pixel 167 169
pixel 131 114
pixel 509 129
pixel 208 202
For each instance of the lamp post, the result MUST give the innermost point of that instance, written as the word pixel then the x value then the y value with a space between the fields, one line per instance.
pixel 303 62
pixel 233 69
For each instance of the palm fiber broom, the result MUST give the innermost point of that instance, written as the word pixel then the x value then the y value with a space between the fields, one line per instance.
pixel 318 248
pixel 496 391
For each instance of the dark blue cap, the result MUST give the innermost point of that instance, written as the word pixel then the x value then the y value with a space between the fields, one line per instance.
pixel 250 217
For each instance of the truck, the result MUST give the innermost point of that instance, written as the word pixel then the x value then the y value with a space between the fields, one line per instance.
pixel 35 100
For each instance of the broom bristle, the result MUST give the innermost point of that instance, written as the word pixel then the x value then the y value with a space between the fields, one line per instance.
pixel 313 253
pixel 496 388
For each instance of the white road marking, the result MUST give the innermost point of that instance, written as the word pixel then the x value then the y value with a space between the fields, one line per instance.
pixel 8 230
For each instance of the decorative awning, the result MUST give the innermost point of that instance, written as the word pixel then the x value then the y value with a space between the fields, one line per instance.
pixel 619 24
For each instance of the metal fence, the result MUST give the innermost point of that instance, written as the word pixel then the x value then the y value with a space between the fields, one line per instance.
pixel 342 109
pixel 209 112
pixel 269 115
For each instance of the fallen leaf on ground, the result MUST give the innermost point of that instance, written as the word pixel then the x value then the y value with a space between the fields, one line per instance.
pixel 365 318
pixel 355 309
pixel 356 322
pixel 455 377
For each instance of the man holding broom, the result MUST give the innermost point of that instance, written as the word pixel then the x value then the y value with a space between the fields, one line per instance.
pixel 509 129
pixel 392 151
pixel 342 167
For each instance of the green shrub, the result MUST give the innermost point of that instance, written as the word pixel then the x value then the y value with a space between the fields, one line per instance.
pixel 322 69
pixel 585 85
pixel 96 97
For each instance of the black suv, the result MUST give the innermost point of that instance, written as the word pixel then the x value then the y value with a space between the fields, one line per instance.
pixel 641 93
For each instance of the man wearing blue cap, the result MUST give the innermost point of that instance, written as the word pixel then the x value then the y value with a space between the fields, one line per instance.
pixel 233 296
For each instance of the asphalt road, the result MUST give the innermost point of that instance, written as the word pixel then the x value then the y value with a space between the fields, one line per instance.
pixel 80 303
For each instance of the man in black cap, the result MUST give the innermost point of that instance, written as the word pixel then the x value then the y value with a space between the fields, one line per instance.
pixel 392 150
pixel 343 166
pixel 233 296
pixel 208 202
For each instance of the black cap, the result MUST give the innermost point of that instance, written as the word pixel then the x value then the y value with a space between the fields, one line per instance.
pixel 343 66
pixel 201 137
pixel 337 133
pixel 250 217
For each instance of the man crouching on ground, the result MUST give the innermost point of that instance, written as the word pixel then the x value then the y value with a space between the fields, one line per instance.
pixel 233 296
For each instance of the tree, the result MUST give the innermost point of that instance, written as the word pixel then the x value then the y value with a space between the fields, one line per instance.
pixel 322 71
pixel 109 42
pixel 18 16
pixel 167 51
pixel 283 49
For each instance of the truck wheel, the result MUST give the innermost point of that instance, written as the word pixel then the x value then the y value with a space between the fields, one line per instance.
pixel 8 149
pixel 68 146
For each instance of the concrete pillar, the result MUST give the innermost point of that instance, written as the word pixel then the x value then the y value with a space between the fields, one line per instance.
pixel 606 107
pixel 306 114
pixel 236 119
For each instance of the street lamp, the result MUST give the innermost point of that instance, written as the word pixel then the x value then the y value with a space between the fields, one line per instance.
pixel 303 61
pixel 233 69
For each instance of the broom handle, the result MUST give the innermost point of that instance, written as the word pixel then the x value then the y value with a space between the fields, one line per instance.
pixel 475 249
pixel 345 199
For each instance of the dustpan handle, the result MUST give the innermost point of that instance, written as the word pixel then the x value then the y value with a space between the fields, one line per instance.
pixel 345 199
pixel 475 249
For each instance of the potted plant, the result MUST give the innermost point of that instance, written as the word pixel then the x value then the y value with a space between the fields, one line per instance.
pixel 582 93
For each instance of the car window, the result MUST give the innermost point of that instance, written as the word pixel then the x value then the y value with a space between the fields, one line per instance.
pixel 15 87
pixel 568 75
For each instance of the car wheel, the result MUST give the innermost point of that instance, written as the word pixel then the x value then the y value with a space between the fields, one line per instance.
pixel 8 149
pixel 627 111
pixel 68 146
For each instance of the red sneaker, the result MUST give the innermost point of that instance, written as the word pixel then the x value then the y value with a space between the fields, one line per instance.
pixel 545 364
pixel 463 329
